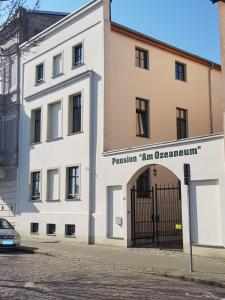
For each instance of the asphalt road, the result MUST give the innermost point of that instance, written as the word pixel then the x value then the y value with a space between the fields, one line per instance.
pixel 31 276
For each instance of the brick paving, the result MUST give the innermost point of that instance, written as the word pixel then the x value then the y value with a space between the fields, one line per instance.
pixel 33 276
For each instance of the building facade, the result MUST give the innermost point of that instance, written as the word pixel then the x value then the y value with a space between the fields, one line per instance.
pixel 108 118
pixel 23 26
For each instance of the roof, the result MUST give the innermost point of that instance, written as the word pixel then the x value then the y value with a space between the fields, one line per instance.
pixel 44 12
pixel 164 46
pixel 214 1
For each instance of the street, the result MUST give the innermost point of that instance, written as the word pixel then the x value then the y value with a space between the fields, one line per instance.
pixel 33 276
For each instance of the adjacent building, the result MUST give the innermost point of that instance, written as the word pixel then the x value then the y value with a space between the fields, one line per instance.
pixel 108 119
pixel 21 28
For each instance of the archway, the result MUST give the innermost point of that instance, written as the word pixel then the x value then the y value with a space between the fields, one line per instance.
pixel 156 211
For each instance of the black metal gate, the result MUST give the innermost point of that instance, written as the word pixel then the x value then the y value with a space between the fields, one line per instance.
pixel 156 217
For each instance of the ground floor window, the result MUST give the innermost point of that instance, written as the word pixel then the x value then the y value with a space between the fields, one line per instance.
pixel 69 230
pixel 34 228
pixel 51 229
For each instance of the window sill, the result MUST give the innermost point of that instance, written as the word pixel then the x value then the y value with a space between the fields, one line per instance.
pixel 57 75
pixel 70 236
pixel 114 238
pixel 54 140
pixel 74 133
pixel 39 83
pixel 185 81
pixel 143 137
pixel 146 69
pixel 73 200
pixel 35 201
pixel 76 67
pixel 53 200
pixel 35 143
pixel 34 233
pixel 51 234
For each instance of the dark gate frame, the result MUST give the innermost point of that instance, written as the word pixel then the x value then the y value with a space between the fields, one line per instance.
pixel 156 217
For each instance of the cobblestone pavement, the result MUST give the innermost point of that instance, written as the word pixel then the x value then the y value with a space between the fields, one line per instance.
pixel 28 276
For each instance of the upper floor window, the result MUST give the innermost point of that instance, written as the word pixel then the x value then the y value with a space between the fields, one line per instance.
pixel 142 118
pixel 75 114
pixel 54 120
pixel 141 58
pixel 35 185
pixel 53 184
pixel 73 182
pixel 180 70
pixel 36 126
pixel 39 73
pixel 181 123
pixel 78 55
pixel 57 65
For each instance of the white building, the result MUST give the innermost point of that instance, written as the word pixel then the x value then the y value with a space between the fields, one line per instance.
pixel 78 178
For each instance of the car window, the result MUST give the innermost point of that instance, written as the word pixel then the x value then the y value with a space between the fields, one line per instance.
pixel 5 224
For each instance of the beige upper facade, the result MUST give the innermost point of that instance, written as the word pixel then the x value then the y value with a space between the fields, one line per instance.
pixel 200 93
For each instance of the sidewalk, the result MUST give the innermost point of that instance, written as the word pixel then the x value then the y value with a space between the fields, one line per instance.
pixel 173 264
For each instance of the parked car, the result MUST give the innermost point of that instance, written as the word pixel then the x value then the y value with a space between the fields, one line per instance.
pixel 9 237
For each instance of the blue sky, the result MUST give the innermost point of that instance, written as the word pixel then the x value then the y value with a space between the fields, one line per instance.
pixel 191 25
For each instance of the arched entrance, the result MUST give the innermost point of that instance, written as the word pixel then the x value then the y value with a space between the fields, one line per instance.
pixel 156 212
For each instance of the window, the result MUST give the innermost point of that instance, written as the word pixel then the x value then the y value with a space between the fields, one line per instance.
pixel 51 228
pixel 53 184
pixel 36 125
pixel 141 58
pixel 34 228
pixel 35 185
pixel 77 55
pixel 141 118
pixel 40 73
pixel 180 71
pixel 181 123
pixel 57 65
pixel 73 182
pixel 75 114
pixel 143 183
pixel 69 230
pixel 54 121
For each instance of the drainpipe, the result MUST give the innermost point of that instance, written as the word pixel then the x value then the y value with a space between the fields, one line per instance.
pixel 110 11
pixel 91 162
pixel 210 97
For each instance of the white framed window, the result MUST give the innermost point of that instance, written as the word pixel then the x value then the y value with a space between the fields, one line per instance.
pixel 39 73
pixel 78 55
pixel 35 182
pixel 51 229
pixel 75 114
pixel 53 184
pixel 36 125
pixel 57 65
pixel 73 182
pixel 54 121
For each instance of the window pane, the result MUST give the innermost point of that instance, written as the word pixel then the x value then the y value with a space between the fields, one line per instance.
pixel 73 182
pixel 40 73
pixel 141 118
pixel 37 126
pixel 141 58
pixel 57 65
pixel 181 123
pixel 35 181
pixel 78 55
pixel 76 114
pixel 53 185
pixel 55 120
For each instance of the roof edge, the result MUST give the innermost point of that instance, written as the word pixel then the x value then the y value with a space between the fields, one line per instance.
pixel 164 46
